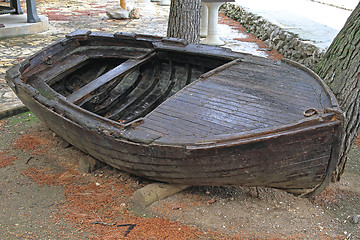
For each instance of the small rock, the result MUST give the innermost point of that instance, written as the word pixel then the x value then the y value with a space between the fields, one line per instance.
pixel 178 207
pixel 117 13
pixel 64 144
pixel 134 13
pixel 87 164
pixel 355 219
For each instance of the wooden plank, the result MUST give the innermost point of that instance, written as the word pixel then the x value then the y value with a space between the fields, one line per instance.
pixel 182 75
pixel 204 116
pixel 113 52
pixel 127 84
pixel 245 111
pixel 41 60
pixel 117 72
pixel 246 159
pixel 288 102
pixel 205 125
pixel 287 78
pixel 223 114
pixel 218 121
pixel 251 174
pixel 141 135
pixel 147 83
pixel 187 128
pixel 166 128
pixel 62 68
pixel 249 161
pixel 267 85
pixel 244 99
pixel 158 94
pixel 154 192
pixel 263 109
pixel 270 75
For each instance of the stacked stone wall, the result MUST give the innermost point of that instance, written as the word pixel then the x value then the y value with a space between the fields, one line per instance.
pixel 286 43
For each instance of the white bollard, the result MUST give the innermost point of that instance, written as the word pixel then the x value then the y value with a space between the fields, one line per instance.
pixel 204 20
pixel 164 3
pixel 213 36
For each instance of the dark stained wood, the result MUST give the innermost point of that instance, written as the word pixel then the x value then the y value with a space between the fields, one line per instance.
pixel 117 72
pixel 121 91
pixel 149 79
pixel 146 102
pixel 186 114
pixel 57 71
pixel 112 52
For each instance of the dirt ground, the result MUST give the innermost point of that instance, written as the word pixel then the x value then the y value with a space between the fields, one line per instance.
pixel 44 196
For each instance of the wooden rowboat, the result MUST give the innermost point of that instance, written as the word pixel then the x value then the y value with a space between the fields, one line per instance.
pixel 190 114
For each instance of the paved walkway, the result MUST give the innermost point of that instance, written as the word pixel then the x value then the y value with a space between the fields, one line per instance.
pixel 68 15
pixel 318 21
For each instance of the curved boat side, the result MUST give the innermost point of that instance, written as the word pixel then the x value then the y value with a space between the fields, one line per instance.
pixel 156 161
pixel 297 157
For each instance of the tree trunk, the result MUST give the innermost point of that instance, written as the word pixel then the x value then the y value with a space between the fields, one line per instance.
pixel 340 69
pixel 184 20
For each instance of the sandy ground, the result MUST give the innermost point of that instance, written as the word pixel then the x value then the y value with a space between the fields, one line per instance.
pixel 44 196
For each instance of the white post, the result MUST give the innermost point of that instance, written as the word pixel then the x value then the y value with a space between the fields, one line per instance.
pixel 164 3
pixel 213 37
pixel 204 20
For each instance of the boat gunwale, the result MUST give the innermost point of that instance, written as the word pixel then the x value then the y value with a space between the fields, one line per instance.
pixel 51 106
pixel 60 110
pixel 222 140
pixel 15 73
pixel 321 184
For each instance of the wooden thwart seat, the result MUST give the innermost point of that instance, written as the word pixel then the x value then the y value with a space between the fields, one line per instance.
pixel 111 75
pixel 62 68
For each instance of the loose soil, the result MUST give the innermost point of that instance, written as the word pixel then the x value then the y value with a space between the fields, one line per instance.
pixel 44 196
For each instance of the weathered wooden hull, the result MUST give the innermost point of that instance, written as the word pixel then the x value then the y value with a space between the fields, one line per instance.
pixel 298 156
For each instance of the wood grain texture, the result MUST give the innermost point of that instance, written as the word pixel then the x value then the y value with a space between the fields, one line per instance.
pixel 340 69
pixel 190 114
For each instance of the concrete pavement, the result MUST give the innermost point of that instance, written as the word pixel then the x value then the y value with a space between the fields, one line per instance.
pixel 316 21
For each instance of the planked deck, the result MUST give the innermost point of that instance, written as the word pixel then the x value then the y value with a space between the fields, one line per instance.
pixel 239 99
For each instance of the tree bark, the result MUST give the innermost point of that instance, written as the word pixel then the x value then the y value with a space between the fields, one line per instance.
pixel 184 20
pixel 340 69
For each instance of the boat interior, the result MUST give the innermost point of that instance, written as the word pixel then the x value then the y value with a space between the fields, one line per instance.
pixel 123 88
pixel 225 94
